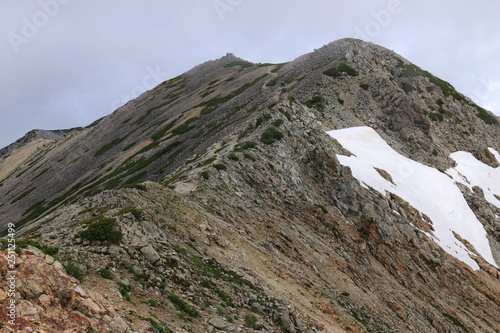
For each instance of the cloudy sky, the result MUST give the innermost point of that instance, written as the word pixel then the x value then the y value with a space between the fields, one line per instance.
pixel 66 63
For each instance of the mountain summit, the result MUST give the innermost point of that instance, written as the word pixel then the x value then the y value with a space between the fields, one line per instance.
pixel 348 190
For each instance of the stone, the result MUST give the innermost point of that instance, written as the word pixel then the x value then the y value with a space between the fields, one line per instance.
pixel 58 265
pixel 218 323
pixel 118 325
pixel 285 321
pixel 129 216
pixel 35 251
pixel 150 253
pixel 49 259
pixel 35 288
pixel 28 310
pixel 45 300
pixel 137 270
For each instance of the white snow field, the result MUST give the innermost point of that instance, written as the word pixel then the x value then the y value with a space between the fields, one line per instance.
pixel 428 190
pixel 472 172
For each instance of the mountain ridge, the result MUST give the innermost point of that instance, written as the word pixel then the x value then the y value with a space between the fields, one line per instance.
pixel 223 184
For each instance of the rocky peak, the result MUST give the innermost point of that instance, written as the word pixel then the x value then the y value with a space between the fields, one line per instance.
pixel 38 134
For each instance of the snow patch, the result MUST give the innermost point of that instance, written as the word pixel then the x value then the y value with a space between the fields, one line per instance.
pixel 428 190
pixel 472 172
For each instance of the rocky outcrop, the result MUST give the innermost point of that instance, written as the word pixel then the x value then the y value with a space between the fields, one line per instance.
pixel 47 299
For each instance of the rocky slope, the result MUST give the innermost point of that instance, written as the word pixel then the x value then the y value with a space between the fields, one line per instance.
pixel 245 219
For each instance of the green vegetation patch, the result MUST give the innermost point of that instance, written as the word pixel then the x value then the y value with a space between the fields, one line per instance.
pixel 125 289
pixel 434 116
pixel 158 135
pixel 277 67
pixel 114 179
pixel 209 161
pixel 487 117
pixel 148 113
pixel 141 187
pixel 22 195
pixel 271 135
pixel 316 102
pixel 50 250
pixel 181 129
pixel 220 166
pixel 286 114
pixel 278 122
pixel 73 270
pixel 109 145
pixel 431 263
pixel 251 322
pixel 215 102
pixel 413 70
pixel 138 214
pixel 245 145
pixel 456 321
pixel 104 230
pixel 243 64
pixel 182 305
pixel 340 70
pixel 106 274
pixel 233 157
pixel 272 83
pixel 407 87
pixel 249 156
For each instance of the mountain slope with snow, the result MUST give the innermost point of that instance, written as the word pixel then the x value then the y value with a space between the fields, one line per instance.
pixel 375 164
pixel 218 202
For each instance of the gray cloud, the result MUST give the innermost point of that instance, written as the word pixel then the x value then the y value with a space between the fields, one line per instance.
pixel 65 63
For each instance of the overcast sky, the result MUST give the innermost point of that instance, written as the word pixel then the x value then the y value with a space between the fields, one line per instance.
pixel 66 63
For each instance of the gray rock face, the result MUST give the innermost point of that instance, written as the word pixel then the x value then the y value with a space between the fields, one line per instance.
pixel 150 253
pixel 218 323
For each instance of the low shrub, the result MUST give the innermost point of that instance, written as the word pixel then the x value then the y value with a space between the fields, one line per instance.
pixel 249 156
pixel 138 214
pixel 407 87
pixel 220 166
pixel 247 145
pixel 106 273
pixel 487 117
pixel 124 289
pixel 182 305
pixel 271 135
pixel 341 69
pixel 251 322
pixel 316 101
pixel 73 270
pixel 104 230
pixel 278 122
